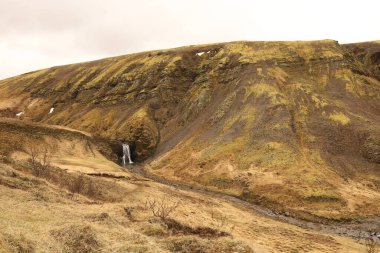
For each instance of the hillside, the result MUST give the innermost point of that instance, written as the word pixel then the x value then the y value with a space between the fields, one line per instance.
pixel 293 126
pixel 82 202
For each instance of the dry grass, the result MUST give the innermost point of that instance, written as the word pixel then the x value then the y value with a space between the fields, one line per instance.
pixel 77 238
pixel 191 244
pixel 72 225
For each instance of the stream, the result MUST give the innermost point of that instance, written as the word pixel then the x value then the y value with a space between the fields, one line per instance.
pixel 357 229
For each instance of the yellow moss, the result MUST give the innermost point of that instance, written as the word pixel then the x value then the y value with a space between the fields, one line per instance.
pixel 173 61
pixel 346 75
pixel 141 113
pixel 278 73
pixel 150 61
pixel 107 72
pixel 261 51
pixel 81 75
pixel 223 108
pixel 269 155
pixel 339 118
pixel 245 116
pixel 343 74
pixel 319 102
pixel 263 89
pixel 305 51
pixel 230 122
pixel 304 87
pixel 309 50
pixel 350 87
pixel 239 48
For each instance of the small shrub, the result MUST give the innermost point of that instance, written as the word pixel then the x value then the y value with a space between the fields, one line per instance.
pixel 92 189
pixel 371 245
pixel 154 229
pixel 134 249
pixel 40 157
pixel 161 208
pixel 191 244
pixel 77 238
pixel 188 245
pixel 20 244
pixel 76 186
pixel 369 242
pixel 178 228
pixel 128 212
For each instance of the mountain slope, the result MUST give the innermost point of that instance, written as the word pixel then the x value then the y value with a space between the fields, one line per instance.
pixel 290 125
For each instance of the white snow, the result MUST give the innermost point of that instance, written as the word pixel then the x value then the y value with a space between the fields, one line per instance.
pixel 208 52
pixel 51 110
pixel 200 53
pixel 19 114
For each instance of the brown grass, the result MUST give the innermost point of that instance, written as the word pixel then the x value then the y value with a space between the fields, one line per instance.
pixel 56 222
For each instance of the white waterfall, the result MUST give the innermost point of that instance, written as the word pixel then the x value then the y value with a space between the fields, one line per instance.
pixel 126 153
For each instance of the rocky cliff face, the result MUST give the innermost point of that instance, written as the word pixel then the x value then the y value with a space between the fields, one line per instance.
pixel 292 125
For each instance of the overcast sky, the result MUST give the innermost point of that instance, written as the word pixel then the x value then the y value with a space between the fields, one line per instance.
pixel 36 34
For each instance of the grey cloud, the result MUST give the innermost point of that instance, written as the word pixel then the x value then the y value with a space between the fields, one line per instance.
pixel 41 33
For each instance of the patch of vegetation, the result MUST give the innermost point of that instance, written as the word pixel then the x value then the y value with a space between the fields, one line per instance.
pixel 223 108
pixel 77 238
pixel 221 182
pixel 134 248
pixel 15 244
pixel 270 91
pixel 177 228
pixel 191 244
pixel 339 118
pixel 161 208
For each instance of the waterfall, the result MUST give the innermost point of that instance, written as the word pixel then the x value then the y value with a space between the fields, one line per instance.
pixel 126 153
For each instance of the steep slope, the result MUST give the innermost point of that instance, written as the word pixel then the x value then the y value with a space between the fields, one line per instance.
pixel 291 125
pixel 64 147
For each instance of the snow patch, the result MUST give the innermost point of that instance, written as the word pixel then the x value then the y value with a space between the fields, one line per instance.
pixel 200 53
pixel 51 110
pixel 19 114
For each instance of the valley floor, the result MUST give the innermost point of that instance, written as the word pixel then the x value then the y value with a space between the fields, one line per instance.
pixel 38 214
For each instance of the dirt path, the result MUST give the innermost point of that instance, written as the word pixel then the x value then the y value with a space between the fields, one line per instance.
pixel 359 229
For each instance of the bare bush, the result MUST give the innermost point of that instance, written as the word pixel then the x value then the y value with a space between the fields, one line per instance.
pixel 82 185
pixel 220 220
pixel 34 151
pixel 40 157
pixel 161 208
pixel 77 238
pixel 128 212
pixel 369 241
pixel 45 157
pixel 371 245
pixel 77 185
pixel 92 190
